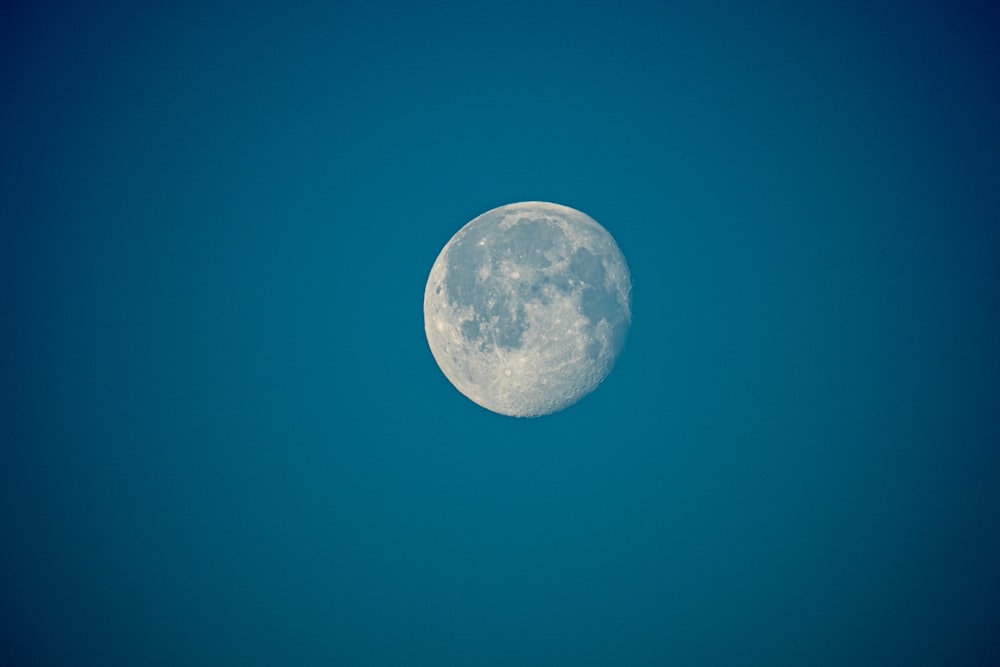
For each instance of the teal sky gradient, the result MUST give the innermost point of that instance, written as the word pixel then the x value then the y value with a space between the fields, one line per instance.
pixel 224 437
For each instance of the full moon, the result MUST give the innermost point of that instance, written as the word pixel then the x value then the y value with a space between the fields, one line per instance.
pixel 527 308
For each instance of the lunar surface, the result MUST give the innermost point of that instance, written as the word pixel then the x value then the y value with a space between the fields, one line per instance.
pixel 527 308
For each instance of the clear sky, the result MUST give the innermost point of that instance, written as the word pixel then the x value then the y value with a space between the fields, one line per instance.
pixel 224 440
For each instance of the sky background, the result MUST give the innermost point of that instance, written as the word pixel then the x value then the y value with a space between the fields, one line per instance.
pixel 224 437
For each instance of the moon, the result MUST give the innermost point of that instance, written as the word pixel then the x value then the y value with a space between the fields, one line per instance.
pixel 527 308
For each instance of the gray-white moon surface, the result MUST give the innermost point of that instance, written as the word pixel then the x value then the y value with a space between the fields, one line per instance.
pixel 527 308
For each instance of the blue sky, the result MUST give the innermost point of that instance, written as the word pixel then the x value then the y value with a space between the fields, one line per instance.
pixel 226 440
